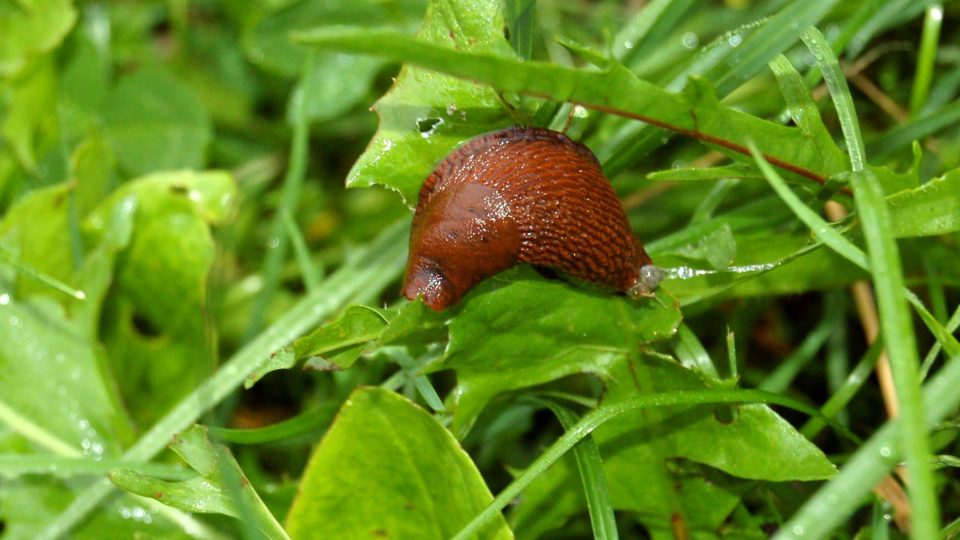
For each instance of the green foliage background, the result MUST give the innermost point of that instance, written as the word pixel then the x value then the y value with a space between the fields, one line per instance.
pixel 200 331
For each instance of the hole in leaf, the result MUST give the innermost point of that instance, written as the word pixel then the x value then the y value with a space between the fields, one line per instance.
pixel 144 326
pixel 426 125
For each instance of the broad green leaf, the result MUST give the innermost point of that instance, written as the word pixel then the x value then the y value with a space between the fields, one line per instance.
pixel 54 381
pixel 755 444
pixel 86 76
pixel 338 343
pixel 718 248
pixel 160 293
pixel 415 323
pixel 268 44
pixel 426 114
pixel 29 27
pixel 29 504
pixel 358 325
pixel 30 110
pixel 931 209
pixel 695 112
pixel 92 168
pixel 37 231
pixel 538 331
pixel 337 81
pixel 219 487
pixel 155 123
pixel 50 346
pixel 658 444
pixel 703 497
pixel 387 468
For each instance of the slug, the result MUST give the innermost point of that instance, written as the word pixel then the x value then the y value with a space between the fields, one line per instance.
pixel 521 195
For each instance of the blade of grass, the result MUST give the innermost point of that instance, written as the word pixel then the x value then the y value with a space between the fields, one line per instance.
pixel 651 21
pixel 14 465
pixel 926 57
pixel 521 20
pixel 901 346
pixel 411 368
pixel 379 264
pixel 840 93
pixel 20 424
pixel 605 413
pixel 833 239
pixel 780 379
pixel 916 129
pixel 888 13
pixel 310 421
pixel 590 466
pixel 778 33
pixel 312 274
pixel 289 196
pixel 691 353
pixel 895 321
pixel 833 504
pixel 9 258
pixel 845 393
pixel 951 327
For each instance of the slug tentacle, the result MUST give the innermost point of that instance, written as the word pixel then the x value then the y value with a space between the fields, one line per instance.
pixel 521 195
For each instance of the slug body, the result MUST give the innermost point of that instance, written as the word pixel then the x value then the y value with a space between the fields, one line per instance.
pixel 521 195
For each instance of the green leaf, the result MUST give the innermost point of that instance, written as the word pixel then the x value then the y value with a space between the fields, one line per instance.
pixel 415 323
pixel 426 114
pixel 338 343
pixel 695 112
pixel 538 331
pixel 220 488
pixel 929 210
pixel 43 354
pixel 37 231
pixel 30 110
pixel 29 27
pixel 737 170
pixel 371 270
pixel 160 293
pixel 755 444
pixel 407 476
pixel 656 444
pixel 155 123
pixel 718 248
pixel 267 43
pixel 357 326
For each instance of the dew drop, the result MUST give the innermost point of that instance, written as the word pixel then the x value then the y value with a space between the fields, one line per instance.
pixel 936 13
pixel 690 40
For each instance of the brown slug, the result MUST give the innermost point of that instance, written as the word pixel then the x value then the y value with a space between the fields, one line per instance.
pixel 521 195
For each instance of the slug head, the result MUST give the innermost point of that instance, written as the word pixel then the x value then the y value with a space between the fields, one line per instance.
pixel 461 236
